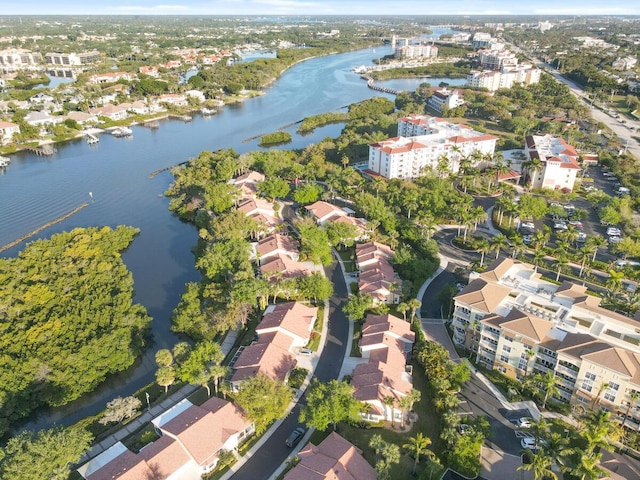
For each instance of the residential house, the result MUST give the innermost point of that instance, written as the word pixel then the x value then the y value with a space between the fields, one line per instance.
pixel 138 107
pixel 386 342
pixel 191 439
pixel 110 111
pixel 376 275
pixel 7 131
pixel 176 99
pixel 40 119
pixel 283 266
pixel 260 210
pixel 334 458
pixel 625 63
pixel 323 211
pixel 151 71
pixel 81 117
pixel 274 245
pixel 409 156
pixel 519 324
pixel 270 355
pixel 110 77
pixel 248 182
pixel 553 163
pixel 197 94
pixel 293 319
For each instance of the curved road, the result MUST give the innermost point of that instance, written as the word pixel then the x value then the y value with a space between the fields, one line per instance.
pixel 274 452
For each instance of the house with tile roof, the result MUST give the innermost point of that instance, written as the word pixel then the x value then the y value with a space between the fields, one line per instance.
pixel 293 319
pixel 7 131
pixel 556 163
pixel 283 266
pixel 261 211
pixel 376 275
pixel 248 182
pixel 270 355
pixel 386 343
pixel 323 211
pixel 333 459
pixel 422 143
pixel 517 323
pixel 274 245
pixel 112 112
pixel 191 439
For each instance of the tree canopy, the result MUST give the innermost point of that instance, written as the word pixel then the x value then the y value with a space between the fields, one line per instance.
pixel 328 404
pixel 264 399
pixel 67 318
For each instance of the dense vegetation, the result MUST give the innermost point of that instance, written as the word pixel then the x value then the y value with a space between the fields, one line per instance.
pixel 452 70
pixel 67 319
pixel 275 138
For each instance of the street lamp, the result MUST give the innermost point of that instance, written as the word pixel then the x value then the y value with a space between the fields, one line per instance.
pixel 148 403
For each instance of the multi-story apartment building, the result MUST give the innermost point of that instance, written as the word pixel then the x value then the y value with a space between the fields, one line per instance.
pixel 423 142
pixel 497 59
pixel 517 323
pixel 416 51
pixel 481 40
pixel 71 59
pixel 524 74
pixel 557 163
pixel 445 99
pixel 14 59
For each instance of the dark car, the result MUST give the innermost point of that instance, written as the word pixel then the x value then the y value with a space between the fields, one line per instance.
pixel 293 439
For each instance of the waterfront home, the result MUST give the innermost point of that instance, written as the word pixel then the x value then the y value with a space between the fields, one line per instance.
pixel 40 119
pixel 81 117
pixel 192 438
pixel 149 70
pixel 176 99
pixel 110 111
pixel 197 94
pixel 7 131
pixel 283 266
pixel 334 458
pixel 138 107
pixel 248 182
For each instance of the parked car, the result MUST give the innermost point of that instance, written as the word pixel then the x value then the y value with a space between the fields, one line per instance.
pixel 295 436
pixel 524 422
pixel 531 444
pixel 559 225
pixel 528 225
pixel 527 239
pixel 614 232
pixel 581 238
pixel 614 239
pixel 576 224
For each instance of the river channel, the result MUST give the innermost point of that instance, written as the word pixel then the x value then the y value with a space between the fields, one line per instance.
pixel 34 190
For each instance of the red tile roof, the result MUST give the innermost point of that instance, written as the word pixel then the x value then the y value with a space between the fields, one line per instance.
pixel 293 317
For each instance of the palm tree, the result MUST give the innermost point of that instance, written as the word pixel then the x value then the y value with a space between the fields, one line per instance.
pixel 498 242
pixel 584 255
pixel 405 405
pixel 540 465
pixel 217 372
pixel 588 467
pixel 557 447
pixel 389 402
pixel 633 399
pixel 517 246
pixel 483 247
pixel 403 308
pixel 414 304
pixel 548 384
pixel 614 282
pixel 165 376
pixel 595 242
pixel 417 445
pixel 561 261
pixel 538 256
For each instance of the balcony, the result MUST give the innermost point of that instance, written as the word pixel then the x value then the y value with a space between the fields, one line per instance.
pixel 569 372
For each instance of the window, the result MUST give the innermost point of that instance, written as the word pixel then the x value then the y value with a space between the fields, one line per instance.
pixel 502 369
pixel 504 358
pixel 522 365
pixel 587 383
pixel 506 349
pixel 508 339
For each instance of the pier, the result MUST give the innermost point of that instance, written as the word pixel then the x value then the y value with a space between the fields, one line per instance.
pixel 371 84
pixel 184 118
pixel 166 169
pixel 46 225
pixel 44 150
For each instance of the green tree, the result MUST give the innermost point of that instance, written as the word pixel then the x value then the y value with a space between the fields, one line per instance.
pixel 120 409
pixel 357 305
pixel 540 465
pixel 417 445
pixel 328 404
pixel 263 400
pixel 273 187
pixel 165 377
pixel 164 357
pixel 307 193
pixel 315 286
pixel 386 453
pixel 198 367
pixel 47 455
pixel 341 233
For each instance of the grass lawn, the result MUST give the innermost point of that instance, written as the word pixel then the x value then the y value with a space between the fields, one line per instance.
pixel 348 259
pixel 357 333
pixel 314 343
pixel 428 423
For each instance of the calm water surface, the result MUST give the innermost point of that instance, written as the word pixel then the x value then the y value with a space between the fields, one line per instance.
pixel 35 190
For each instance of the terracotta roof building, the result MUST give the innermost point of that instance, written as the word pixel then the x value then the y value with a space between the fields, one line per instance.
pixel 334 459
pixel 422 142
pixel 377 277
pixel 558 163
pixel 293 319
pixel 519 324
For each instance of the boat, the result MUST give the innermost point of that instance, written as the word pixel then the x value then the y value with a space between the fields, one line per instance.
pixel 122 132
pixel 92 139
pixel 361 69
pixel 207 111
pixel 4 162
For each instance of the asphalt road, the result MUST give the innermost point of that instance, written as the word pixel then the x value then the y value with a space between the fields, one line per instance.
pixel 274 452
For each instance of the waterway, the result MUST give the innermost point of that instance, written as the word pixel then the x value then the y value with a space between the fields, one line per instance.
pixel 34 190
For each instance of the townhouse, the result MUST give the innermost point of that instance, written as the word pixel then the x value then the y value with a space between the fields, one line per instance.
pixel 191 439
pixel 333 458
pixel 283 328
pixel 324 212
pixel 553 163
pixel 248 182
pixel 386 343
pixel 376 276
pixel 423 142
pixel 518 324
pixel 260 210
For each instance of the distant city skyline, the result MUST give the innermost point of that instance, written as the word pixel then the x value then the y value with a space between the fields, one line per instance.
pixel 318 7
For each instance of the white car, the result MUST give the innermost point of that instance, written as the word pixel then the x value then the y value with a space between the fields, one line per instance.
pixel 524 422
pixel 560 226
pixel 581 238
pixel 613 232
pixel 531 444
pixel 614 239
pixel 528 225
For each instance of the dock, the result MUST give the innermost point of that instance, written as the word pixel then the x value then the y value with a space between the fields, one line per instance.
pixel 165 169
pixel 44 150
pixel 371 84
pixel 92 139
pixel 4 162
pixel 184 118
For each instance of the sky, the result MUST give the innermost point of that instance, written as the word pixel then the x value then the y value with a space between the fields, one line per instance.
pixel 319 7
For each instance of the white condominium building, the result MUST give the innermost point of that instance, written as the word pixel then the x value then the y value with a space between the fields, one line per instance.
pixel 416 51
pixel 70 59
pixel 424 142
pixel 517 323
pixel 524 74
pixel 497 59
pixel 14 59
pixel 558 162
pixel 445 99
